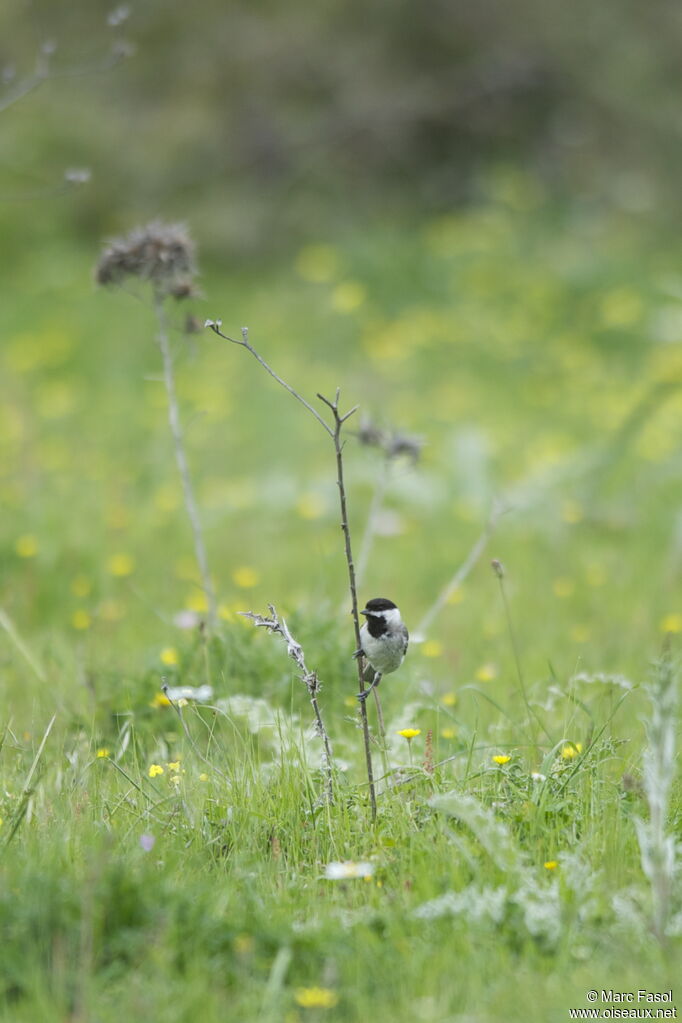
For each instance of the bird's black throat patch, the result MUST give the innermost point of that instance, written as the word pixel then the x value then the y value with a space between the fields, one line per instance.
pixel 377 625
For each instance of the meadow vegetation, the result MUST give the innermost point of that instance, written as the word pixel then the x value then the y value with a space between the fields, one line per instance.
pixel 181 861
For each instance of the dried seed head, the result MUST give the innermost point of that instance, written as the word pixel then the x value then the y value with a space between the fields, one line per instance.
pixel 192 324
pixel 370 435
pixel 162 254
pixel 404 444
pixel 498 568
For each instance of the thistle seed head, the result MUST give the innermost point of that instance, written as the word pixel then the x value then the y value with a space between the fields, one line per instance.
pixel 370 435
pixel 406 445
pixel 162 254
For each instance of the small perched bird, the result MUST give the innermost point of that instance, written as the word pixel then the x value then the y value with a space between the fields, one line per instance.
pixel 383 640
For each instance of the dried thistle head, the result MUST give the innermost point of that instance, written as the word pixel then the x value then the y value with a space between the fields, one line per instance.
pixel 393 445
pixel 162 254
pixel 404 444
pixel 370 435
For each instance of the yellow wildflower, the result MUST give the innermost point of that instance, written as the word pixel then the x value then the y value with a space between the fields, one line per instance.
pixel 572 750
pixel 169 656
pixel 486 673
pixel 447 733
pixel 348 296
pixel 410 733
pixel 155 770
pixel 449 700
pixel 316 997
pixel 81 620
pixel 432 648
pixel 160 700
pixel 174 765
pixel 311 506
pixel 501 759
pixel 197 601
pixel 103 752
pixel 551 865
pixel 26 546
pixel 245 577
pixel 243 945
pixel 672 622
pixel 121 565
pixel 203 777
pixel 317 263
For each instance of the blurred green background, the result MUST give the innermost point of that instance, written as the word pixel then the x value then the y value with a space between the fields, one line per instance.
pixel 464 216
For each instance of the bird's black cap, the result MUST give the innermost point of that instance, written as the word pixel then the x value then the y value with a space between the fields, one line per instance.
pixel 378 604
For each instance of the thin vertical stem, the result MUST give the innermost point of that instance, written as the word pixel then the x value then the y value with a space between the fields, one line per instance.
pixel 382 732
pixel 335 435
pixel 460 575
pixel 517 658
pixel 338 448
pixel 181 458
pixel 328 763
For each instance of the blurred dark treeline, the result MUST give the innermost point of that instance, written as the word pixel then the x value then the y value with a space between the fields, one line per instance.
pixel 263 119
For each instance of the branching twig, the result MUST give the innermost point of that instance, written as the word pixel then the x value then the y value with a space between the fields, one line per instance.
pixel 43 72
pixel 181 458
pixel 215 326
pixel 339 420
pixel 308 678
pixel 335 435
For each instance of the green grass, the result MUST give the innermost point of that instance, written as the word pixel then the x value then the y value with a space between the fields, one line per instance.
pixel 537 353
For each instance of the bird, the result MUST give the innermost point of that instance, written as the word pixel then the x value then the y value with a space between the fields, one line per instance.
pixel 383 640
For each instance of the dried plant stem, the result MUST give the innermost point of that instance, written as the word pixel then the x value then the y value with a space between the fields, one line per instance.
pixel 181 458
pixel 499 572
pixel 245 343
pixel 309 679
pixel 339 420
pixel 460 575
pixel 335 435
pixel 44 73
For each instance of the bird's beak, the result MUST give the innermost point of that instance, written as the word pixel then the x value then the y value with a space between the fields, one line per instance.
pixel 365 612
